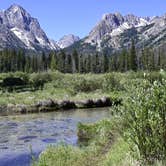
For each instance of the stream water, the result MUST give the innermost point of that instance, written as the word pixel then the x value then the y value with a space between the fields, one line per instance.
pixel 22 136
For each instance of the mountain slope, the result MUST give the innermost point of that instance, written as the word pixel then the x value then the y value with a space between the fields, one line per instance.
pixel 115 31
pixel 9 40
pixel 114 24
pixel 26 28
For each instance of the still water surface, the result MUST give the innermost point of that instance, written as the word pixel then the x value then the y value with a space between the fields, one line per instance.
pixel 22 135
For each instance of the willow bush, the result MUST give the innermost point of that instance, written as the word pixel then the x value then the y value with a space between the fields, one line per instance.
pixel 111 82
pixel 145 118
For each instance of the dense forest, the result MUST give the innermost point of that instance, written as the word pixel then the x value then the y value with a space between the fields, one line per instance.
pixel 124 60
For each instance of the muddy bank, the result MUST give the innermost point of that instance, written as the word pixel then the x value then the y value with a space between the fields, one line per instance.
pixel 54 105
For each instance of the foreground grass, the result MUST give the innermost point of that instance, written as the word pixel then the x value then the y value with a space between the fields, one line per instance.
pixel 91 154
pixel 104 148
pixel 119 155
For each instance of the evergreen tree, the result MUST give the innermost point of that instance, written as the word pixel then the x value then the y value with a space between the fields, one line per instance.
pixel 75 61
pixel 68 68
pixel 106 63
pixel 43 62
pixel 61 61
pixel 133 56
pixel 53 64
pixel 123 61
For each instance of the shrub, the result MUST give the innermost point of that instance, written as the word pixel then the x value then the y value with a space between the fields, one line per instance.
pixel 145 118
pixel 154 76
pixel 83 84
pixel 13 81
pixel 38 80
pixel 23 76
pixel 111 83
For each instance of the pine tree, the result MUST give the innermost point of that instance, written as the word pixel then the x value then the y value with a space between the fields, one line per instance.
pixel 106 63
pixel 61 61
pixel 88 64
pixel 133 56
pixel 53 64
pixel 75 61
pixel 68 66
pixel 123 61
pixel 43 62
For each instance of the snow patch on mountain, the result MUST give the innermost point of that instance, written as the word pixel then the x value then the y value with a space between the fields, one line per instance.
pixel 23 36
pixel 26 28
pixel 113 25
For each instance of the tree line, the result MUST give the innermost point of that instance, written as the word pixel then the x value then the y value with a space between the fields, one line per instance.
pixel 125 60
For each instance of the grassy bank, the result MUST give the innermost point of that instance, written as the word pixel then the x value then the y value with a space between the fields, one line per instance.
pixel 102 145
pixel 56 86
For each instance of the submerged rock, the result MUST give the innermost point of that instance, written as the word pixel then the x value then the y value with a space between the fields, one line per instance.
pixel 103 102
pixel 99 103
pixel 106 101
pixel 67 104
pixel 87 103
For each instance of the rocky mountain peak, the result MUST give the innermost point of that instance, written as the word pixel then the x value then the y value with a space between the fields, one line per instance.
pixel 67 40
pixel 113 19
pixel 17 17
pixel 15 8
pixel 26 28
pixel 114 24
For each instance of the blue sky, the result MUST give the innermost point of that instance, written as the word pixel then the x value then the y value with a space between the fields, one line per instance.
pixel 60 17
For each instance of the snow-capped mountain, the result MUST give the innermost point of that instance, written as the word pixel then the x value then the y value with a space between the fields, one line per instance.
pixel 113 25
pixel 19 24
pixel 115 31
pixel 67 41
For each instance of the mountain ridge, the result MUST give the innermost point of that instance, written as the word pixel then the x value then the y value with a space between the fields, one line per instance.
pixel 113 32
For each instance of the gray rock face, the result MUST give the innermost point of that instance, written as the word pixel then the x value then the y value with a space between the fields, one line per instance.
pixel 67 41
pixel 8 39
pixel 27 29
pixel 115 31
pixel 114 24
pixel 19 30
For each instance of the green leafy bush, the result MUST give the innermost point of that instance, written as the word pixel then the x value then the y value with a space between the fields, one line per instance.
pixel 111 82
pixel 39 79
pixel 145 118
pixel 23 76
pixel 154 76
pixel 86 84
